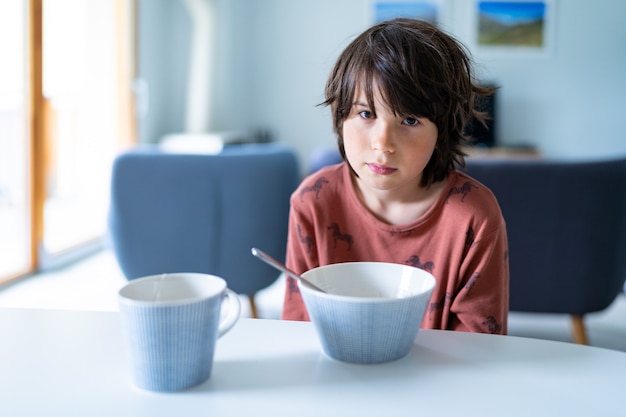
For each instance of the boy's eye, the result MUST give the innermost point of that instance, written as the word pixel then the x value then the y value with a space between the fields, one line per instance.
pixel 410 121
pixel 365 114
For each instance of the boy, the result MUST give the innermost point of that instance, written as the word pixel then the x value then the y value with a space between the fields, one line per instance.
pixel 400 96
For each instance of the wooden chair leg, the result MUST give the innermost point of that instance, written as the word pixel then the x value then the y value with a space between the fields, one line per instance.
pixel 579 333
pixel 253 310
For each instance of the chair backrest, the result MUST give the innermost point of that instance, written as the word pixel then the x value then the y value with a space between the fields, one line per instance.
pixel 323 157
pixel 566 225
pixel 203 213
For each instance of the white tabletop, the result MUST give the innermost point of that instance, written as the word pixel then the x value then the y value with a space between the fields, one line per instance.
pixel 71 363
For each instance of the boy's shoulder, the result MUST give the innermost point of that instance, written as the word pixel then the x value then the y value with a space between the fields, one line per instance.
pixel 470 195
pixel 326 182
pixel 463 184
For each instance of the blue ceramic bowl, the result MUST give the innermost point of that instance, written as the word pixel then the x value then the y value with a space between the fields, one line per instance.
pixel 371 311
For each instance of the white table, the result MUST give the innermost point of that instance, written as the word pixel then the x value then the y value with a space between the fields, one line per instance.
pixel 71 363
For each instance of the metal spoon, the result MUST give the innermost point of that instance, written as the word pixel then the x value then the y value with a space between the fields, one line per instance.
pixel 276 264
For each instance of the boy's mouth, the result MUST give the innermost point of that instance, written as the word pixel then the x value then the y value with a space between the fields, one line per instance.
pixel 381 169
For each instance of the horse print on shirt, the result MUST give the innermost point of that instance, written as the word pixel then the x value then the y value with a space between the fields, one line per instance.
pixel 470 283
pixel 439 305
pixel 315 188
pixel 492 325
pixel 414 260
pixel 306 240
pixel 337 235
pixel 464 190
pixel 292 288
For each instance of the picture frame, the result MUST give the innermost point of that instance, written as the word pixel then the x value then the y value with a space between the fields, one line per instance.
pixel 427 10
pixel 515 28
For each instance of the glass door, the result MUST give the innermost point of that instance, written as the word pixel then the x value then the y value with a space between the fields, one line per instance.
pixel 15 254
pixel 84 65
pixel 56 148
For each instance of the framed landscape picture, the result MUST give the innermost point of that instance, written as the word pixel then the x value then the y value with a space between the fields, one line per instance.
pixel 514 26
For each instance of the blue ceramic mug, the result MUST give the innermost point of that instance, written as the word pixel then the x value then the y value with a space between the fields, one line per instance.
pixel 172 323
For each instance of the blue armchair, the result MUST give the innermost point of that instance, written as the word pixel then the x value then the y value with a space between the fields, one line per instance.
pixel 566 224
pixel 175 212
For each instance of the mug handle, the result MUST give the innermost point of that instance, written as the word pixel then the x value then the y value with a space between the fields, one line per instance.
pixel 234 311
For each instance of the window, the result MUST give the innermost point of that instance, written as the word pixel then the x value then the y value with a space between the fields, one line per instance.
pixel 81 65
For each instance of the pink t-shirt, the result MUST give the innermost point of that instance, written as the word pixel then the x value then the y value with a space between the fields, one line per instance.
pixel 461 240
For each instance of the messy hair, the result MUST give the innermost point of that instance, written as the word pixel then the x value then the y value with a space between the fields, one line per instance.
pixel 420 71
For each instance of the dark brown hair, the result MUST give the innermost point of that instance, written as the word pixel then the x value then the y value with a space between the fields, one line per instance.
pixel 421 71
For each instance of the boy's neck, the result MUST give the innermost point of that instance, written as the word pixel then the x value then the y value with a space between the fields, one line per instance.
pixel 398 207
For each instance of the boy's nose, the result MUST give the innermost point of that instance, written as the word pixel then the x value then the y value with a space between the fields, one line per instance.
pixel 382 138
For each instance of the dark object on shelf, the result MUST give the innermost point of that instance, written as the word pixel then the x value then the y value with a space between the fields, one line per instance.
pixel 483 135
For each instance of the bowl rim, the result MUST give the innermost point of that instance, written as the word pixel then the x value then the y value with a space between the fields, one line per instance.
pixel 303 286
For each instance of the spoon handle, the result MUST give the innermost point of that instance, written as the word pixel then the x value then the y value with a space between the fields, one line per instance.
pixel 276 264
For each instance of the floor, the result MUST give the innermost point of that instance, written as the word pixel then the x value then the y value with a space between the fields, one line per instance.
pixel 92 284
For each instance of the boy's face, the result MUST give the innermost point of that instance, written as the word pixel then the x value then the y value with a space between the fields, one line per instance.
pixel 388 152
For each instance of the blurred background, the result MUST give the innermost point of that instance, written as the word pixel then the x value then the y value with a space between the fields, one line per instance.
pixel 81 81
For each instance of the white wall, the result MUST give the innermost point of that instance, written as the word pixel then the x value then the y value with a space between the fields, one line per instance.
pixel 274 56
pixel 572 102
pixel 163 43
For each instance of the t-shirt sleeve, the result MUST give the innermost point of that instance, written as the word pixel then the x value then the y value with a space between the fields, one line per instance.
pixel 482 302
pixel 300 257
